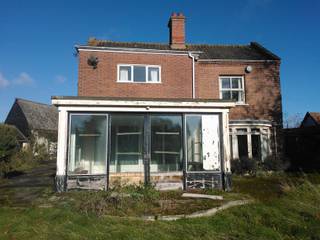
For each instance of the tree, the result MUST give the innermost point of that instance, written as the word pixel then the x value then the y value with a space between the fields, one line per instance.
pixel 8 141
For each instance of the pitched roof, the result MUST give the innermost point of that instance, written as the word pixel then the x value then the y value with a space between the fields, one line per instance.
pixel 311 119
pixel 38 115
pixel 315 116
pixel 253 51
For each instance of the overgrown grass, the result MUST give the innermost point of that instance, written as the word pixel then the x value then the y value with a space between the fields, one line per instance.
pixel 290 209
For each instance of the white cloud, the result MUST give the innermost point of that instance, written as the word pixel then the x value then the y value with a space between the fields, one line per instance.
pixel 60 79
pixel 3 81
pixel 23 79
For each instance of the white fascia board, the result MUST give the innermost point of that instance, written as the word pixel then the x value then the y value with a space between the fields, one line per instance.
pixel 141 103
pixel 133 50
pixel 141 109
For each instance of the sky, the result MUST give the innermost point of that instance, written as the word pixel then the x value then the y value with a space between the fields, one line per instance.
pixel 37 39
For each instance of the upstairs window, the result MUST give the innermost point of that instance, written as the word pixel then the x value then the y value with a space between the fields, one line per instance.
pixel 232 88
pixel 139 73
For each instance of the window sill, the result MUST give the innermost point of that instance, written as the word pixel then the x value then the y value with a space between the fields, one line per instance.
pixel 242 104
pixel 139 82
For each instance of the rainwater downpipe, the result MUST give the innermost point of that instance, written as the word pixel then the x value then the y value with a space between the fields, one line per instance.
pixel 193 76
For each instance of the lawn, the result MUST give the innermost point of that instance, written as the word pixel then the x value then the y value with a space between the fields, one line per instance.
pixel 285 207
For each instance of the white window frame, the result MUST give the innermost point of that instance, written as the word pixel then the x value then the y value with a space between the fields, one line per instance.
pixel 132 74
pixel 265 138
pixel 233 89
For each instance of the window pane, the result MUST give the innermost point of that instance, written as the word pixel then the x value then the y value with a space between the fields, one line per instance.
pixel 225 83
pixel 166 150
pixel 194 143
pixel 88 144
pixel 256 146
pixel 242 146
pixel 139 73
pixel 226 95
pixel 153 74
pixel 126 143
pixel 236 83
pixel 125 73
pixel 236 96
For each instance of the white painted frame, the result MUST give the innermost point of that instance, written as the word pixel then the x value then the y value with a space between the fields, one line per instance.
pixel 265 132
pixel 132 74
pixel 233 89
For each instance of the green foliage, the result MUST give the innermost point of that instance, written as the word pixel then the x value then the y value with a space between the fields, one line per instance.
pixel 294 213
pixel 19 162
pixel 272 163
pixel 244 166
pixel 251 166
pixel 8 141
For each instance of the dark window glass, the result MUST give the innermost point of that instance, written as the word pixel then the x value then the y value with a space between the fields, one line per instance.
pixel 242 146
pixel 87 149
pixel 256 146
pixel 166 150
pixel 126 143
pixel 139 73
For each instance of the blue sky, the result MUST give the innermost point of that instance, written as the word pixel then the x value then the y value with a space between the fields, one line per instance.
pixel 37 40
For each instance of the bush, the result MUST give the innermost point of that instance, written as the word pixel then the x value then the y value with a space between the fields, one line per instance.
pixel 18 162
pixel 244 166
pixel 272 163
pixel 8 141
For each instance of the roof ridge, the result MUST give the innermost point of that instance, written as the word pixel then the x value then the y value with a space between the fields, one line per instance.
pixel 31 101
pixel 95 41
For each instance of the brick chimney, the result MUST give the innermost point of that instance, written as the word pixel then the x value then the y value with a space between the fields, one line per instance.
pixel 176 31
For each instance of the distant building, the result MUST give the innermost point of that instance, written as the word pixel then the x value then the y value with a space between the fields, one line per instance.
pixel 35 120
pixel 311 119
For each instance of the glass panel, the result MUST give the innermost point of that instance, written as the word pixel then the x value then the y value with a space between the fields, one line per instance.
pixel 235 83
pixel 202 136
pixel 242 146
pixel 236 96
pixel 226 95
pixel 166 150
pixel 88 138
pixel 194 143
pixel 225 83
pixel 126 143
pixel 256 146
pixel 153 74
pixel 125 73
pixel 139 73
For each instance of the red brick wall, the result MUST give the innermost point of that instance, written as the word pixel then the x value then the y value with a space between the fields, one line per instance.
pixel 262 88
pixel 176 76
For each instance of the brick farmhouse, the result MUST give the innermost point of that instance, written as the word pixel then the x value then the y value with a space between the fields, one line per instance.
pixel 172 114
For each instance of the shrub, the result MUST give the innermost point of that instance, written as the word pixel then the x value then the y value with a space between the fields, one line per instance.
pixel 18 162
pixel 244 166
pixel 8 141
pixel 272 163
